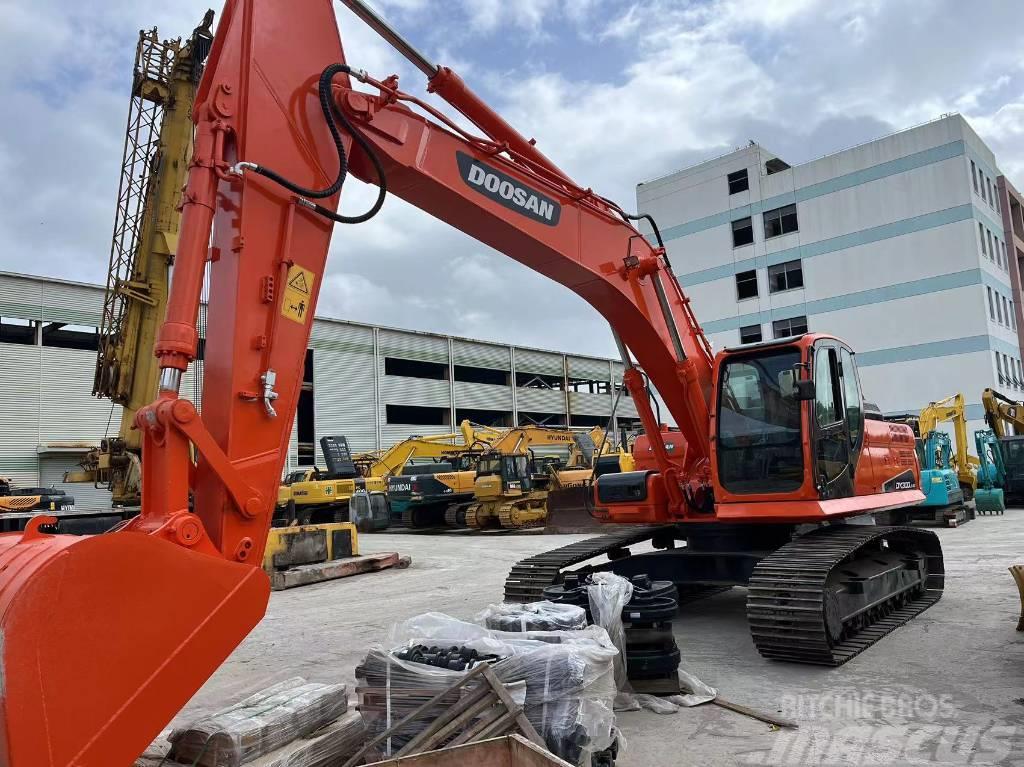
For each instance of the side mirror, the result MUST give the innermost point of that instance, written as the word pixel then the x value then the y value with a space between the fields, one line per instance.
pixel 804 389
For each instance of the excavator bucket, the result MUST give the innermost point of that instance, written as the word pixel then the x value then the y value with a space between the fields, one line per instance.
pixel 989 500
pixel 569 511
pixel 1017 571
pixel 105 637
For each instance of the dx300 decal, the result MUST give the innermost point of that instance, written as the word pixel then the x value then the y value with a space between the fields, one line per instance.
pixel 904 481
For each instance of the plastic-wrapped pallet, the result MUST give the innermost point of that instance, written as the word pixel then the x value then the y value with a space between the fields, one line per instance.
pixel 259 724
pixel 570 682
pixel 533 616
pixel 329 746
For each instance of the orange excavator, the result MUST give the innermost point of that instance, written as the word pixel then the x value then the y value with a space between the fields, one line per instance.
pixel 105 637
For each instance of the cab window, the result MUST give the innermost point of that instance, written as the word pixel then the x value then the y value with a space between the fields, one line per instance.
pixel 759 440
pixel 851 392
pixel 826 411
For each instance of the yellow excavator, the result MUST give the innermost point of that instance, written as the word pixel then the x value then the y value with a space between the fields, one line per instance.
pixel 513 478
pixel 323 496
pixel 1003 414
pixel 1006 419
pixel 157 152
pixel 20 499
pixel 952 409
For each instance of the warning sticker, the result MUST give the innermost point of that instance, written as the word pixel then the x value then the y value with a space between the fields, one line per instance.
pixel 298 290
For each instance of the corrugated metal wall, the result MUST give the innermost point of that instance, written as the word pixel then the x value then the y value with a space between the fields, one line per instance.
pixel 529 361
pixel 540 400
pixel 21 297
pixel 51 473
pixel 343 384
pixel 19 411
pixel 45 391
pixel 483 396
pixel 413 346
pixel 480 355
pixel 585 367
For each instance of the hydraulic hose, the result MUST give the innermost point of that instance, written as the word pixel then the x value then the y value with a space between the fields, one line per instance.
pixel 332 115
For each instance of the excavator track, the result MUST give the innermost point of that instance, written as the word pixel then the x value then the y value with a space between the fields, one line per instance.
pixel 470 517
pixel 509 517
pixel 793 598
pixel 455 515
pixel 529 577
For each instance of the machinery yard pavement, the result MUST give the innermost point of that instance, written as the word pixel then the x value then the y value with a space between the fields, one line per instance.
pixel 945 689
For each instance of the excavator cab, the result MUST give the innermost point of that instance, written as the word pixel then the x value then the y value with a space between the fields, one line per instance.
pixel 503 475
pixel 790 420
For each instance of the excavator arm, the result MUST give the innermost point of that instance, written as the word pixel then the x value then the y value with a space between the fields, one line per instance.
pixel 1002 413
pixel 954 410
pixel 106 637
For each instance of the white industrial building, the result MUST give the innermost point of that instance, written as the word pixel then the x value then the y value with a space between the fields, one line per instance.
pixel 374 385
pixel 897 246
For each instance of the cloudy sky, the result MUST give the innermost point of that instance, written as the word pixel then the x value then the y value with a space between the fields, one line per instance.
pixel 615 91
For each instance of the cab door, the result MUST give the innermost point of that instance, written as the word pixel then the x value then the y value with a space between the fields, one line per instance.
pixel 831 445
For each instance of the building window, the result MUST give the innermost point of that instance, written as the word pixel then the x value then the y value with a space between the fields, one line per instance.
pixel 742 232
pixel 794 326
pixel 981 181
pixel 988 185
pixel 999 368
pixel 746 285
pixel 396 366
pixel 1020 373
pixel 780 221
pixel 64 336
pixel 542 419
pixel 750 334
pixel 974 176
pixel 17 331
pixel 787 276
pixel 981 236
pixel 540 381
pixel 484 417
pixel 469 374
pixel 991 250
pixel 738 181
pixel 417 415
pixel 1006 311
pixel 991 304
pixel 1013 316
pixel 999 310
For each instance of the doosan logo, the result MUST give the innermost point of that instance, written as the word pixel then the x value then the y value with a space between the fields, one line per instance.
pixel 507 191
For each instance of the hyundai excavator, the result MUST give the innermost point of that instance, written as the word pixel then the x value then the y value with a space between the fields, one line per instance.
pixel 324 496
pixel 157 153
pixel 107 636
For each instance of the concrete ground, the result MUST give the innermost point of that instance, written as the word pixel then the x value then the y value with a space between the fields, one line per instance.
pixel 948 688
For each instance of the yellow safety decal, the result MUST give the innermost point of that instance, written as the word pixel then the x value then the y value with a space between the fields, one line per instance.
pixel 298 293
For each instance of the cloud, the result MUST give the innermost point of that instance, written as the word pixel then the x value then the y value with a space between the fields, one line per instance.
pixel 615 91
